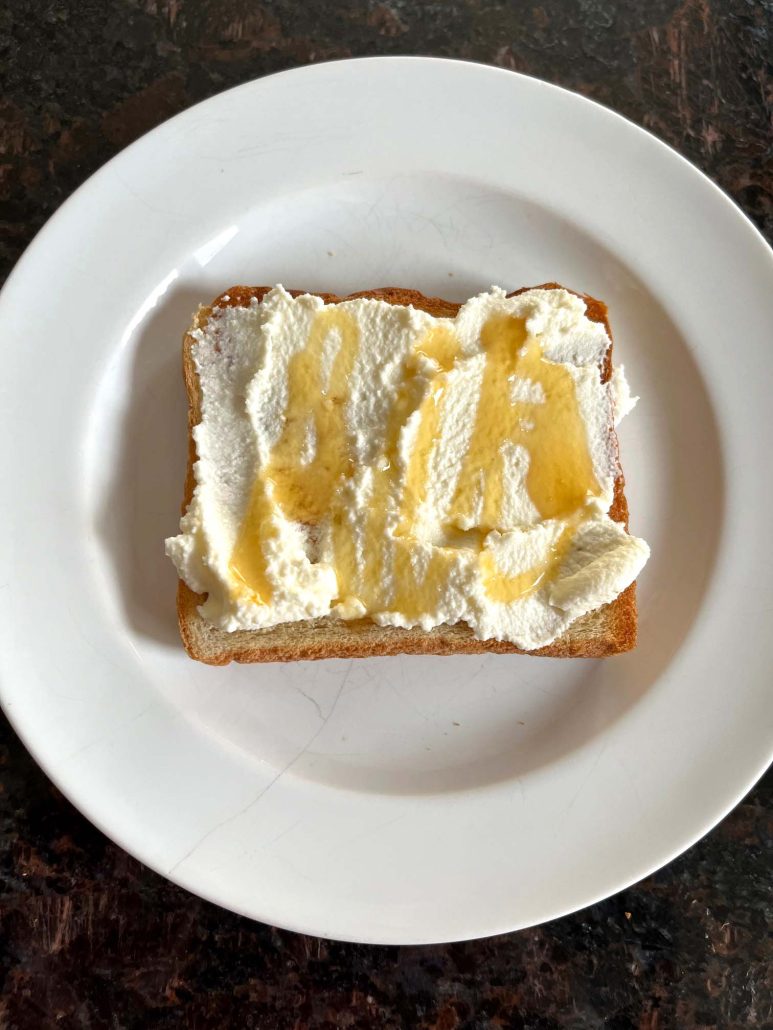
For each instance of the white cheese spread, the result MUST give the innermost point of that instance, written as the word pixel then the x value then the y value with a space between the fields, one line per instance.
pixel 368 460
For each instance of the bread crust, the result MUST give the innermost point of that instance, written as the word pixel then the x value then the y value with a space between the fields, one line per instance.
pixel 609 630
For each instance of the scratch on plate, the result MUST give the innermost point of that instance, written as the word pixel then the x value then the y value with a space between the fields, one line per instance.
pixel 313 701
pixel 284 833
pixel 105 737
pixel 588 775
pixel 264 790
pixel 629 776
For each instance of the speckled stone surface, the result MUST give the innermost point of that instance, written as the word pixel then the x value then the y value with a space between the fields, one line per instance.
pixel 89 937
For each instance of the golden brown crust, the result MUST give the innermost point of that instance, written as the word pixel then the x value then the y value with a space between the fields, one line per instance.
pixel 607 631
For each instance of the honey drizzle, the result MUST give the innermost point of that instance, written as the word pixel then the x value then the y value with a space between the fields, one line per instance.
pixel 559 480
pixel 560 476
pixel 303 492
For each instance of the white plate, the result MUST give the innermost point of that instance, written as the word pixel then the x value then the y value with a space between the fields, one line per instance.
pixel 400 799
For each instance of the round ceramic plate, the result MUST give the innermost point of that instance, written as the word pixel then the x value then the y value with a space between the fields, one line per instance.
pixel 398 799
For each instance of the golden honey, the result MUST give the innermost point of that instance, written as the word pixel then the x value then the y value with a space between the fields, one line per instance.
pixel 387 577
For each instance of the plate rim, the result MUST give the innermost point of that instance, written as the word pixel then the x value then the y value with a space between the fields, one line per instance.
pixel 416 59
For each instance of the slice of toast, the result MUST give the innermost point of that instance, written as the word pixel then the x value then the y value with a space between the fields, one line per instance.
pixel 606 631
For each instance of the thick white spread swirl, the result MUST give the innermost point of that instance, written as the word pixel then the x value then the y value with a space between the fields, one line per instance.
pixel 368 460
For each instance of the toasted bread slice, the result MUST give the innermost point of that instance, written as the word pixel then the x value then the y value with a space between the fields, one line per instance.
pixel 609 630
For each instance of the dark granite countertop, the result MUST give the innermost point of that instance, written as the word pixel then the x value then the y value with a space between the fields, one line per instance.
pixel 90 938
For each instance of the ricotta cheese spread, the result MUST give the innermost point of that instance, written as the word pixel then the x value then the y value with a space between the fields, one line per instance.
pixel 369 460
